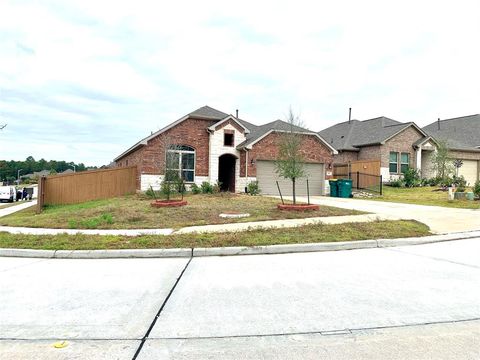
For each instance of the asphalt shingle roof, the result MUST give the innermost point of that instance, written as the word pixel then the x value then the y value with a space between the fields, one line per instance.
pixel 208 112
pixel 461 133
pixel 257 132
pixel 355 134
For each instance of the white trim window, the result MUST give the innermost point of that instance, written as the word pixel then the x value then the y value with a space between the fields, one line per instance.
pixel 181 161
pixel 393 163
pixel 404 162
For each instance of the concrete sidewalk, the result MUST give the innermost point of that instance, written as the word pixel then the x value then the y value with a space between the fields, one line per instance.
pixel 441 220
pixel 20 206
pixel 232 227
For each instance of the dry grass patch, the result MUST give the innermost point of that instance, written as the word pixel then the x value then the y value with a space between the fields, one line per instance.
pixel 135 212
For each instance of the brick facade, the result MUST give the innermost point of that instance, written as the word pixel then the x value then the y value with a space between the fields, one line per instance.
pixel 313 150
pixel 345 157
pixel 402 142
pixel 191 132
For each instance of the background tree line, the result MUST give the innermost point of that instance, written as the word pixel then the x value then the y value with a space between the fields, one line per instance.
pixel 9 169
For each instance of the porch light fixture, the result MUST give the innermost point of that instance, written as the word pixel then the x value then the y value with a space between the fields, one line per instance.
pixel 252 162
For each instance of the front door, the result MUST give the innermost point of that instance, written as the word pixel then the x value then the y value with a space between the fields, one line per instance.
pixel 226 172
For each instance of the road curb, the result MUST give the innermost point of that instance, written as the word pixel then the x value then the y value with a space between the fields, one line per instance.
pixel 233 251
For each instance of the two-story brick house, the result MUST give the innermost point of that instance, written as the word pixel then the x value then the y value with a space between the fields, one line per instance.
pixel 210 145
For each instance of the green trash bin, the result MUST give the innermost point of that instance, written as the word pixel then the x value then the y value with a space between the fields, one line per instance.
pixel 345 188
pixel 333 187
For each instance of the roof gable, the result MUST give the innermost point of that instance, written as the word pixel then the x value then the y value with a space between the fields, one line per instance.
pixel 278 126
pixel 205 112
pixel 229 118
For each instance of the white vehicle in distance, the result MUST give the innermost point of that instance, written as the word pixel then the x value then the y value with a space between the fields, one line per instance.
pixel 8 193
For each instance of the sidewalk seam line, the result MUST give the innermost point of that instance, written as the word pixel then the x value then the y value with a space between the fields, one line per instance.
pixel 142 341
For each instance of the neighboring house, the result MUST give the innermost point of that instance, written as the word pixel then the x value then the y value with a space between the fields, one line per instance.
pixel 68 171
pixel 37 174
pixel 396 145
pixel 210 145
pixel 462 135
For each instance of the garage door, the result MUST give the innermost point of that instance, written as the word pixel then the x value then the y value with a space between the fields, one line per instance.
pixel 469 170
pixel 267 178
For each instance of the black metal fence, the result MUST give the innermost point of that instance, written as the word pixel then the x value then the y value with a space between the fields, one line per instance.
pixel 365 182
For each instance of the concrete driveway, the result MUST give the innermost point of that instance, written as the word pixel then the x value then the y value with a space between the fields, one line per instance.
pixel 418 302
pixel 441 220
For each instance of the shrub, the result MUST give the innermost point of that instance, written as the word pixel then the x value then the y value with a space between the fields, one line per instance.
pixel 206 188
pixel 195 189
pixel 397 183
pixel 216 187
pixel 253 188
pixel 476 189
pixel 460 183
pixel 411 178
pixel 150 193
pixel 439 181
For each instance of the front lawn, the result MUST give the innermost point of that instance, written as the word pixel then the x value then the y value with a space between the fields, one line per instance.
pixel 135 212
pixel 304 234
pixel 424 196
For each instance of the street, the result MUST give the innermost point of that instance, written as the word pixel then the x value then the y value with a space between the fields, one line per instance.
pixel 415 302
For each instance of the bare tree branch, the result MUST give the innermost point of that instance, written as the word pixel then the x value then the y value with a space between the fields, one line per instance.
pixel 3 126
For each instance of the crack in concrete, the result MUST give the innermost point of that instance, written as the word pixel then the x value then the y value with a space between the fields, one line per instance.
pixel 142 342
pixel 320 332
pixel 431 257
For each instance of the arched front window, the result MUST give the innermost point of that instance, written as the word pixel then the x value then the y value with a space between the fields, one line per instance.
pixel 181 162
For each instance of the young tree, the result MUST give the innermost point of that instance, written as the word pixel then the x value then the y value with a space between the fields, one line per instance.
pixel 291 162
pixel 441 161
pixel 168 164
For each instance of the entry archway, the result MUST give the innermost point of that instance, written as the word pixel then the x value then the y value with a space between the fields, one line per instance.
pixel 226 172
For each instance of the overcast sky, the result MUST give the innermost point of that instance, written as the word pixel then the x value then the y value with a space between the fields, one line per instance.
pixel 84 80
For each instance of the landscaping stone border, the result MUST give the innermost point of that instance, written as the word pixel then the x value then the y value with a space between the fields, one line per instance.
pixel 231 251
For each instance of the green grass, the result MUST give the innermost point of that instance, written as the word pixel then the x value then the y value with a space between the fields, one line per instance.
pixel 135 212
pixel 424 196
pixel 305 234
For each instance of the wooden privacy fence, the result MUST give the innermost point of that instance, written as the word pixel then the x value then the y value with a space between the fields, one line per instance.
pixel 365 174
pixel 86 185
pixel 369 167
